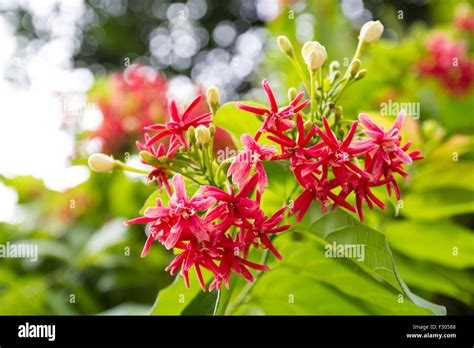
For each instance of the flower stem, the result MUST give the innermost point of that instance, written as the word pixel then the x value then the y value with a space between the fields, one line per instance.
pixel 122 166
pixel 313 95
pixel 300 72
pixel 248 287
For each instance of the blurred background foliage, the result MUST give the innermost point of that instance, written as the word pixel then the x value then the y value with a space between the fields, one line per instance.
pixel 89 261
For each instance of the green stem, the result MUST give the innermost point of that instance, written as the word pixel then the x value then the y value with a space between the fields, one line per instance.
pixel 248 287
pixel 321 85
pixel 122 166
pixel 300 72
pixel 313 94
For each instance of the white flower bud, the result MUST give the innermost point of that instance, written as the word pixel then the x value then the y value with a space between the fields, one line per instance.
pixel 371 31
pixel 314 54
pixel 203 135
pixel 100 163
pixel 285 45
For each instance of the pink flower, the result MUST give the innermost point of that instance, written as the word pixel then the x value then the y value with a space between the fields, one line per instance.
pixel 158 174
pixel 301 157
pixel 178 124
pixel 231 261
pixel 234 209
pixel 276 120
pixel 441 53
pixel 361 186
pixel 383 145
pixel 338 154
pixel 181 216
pixel 261 229
pixel 318 190
pixel 251 156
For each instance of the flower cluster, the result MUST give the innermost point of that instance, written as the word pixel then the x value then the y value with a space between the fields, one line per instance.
pixel 327 169
pixel 203 239
pixel 335 162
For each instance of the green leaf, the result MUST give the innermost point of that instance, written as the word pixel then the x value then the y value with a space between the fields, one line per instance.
pixel 342 228
pixel 436 279
pixel 281 186
pixel 204 303
pixel 306 282
pixel 238 122
pixel 177 299
pixel 443 175
pixel 437 204
pixel 309 281
pixel 433 241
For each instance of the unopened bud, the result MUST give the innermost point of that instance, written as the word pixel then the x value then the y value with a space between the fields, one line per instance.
pixel 371 31
pixel 203 135
pixel 213 98
pixel 334 66
pixel 335 76
pixel 191 131
pixel 212 129
pixel 314 54
pixel 292 92
pixel 339 111
pixel 285 45
pixel 354 67
pixel 147 157
pixel 100 163
pixel 361 74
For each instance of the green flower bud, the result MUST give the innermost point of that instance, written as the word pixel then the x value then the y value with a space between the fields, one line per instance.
pixel 334 66
pixel 361 74
pixel 285 45
pixel 354 67
pixel 292 92
pixel 213 98
pixel 203 135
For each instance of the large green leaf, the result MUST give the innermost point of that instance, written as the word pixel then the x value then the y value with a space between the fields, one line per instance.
pixel 437 204
pixel 442 242
pixel 368 286
pixel 177 299
pixel 306 282
pixel 436 279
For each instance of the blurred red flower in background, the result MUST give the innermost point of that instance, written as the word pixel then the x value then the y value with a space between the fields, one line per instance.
pixel 129 101
pixel 448 62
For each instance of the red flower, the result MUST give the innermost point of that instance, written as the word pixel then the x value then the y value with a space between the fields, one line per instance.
pixel 383 145
pixel 447 61
pixel 178 124
pixel 252 155
pixel 276 120
pixel 361 187
pixel 181 215
pixel 158 174
pixel 338 154
pixel 261 229
pixel 301 157
pixel 318 190
pixel 234 209
pixel 230 261
pixel 130 101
